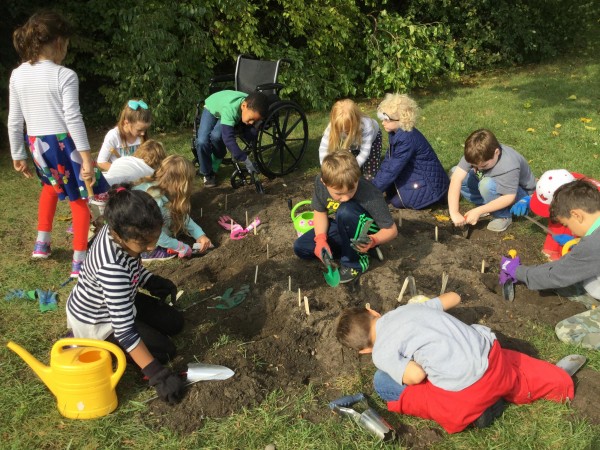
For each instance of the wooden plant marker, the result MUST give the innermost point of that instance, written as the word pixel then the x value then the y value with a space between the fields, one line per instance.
pixel 444 282
pixel 256 274
pixel 306 307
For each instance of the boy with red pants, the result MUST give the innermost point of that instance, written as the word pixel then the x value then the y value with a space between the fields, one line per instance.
pixel 432 365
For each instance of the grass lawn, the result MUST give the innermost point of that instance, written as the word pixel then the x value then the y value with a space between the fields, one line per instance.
pixel 549 112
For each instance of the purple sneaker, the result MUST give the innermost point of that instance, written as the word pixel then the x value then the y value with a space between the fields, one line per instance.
pixel 158 254
pixel 41 250
pixel 76 268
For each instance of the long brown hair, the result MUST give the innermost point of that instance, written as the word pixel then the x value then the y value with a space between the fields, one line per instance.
pixel 174 179
pixel 43 28
pixel 132 116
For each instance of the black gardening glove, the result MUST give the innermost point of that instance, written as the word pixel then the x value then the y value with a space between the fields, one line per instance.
pixel 161 287
pixel 169 386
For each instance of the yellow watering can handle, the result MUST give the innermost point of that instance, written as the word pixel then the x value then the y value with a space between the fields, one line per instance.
pixel 58 347
pixel 302 203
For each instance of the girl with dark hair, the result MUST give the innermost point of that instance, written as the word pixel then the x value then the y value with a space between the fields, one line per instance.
pixel 105 303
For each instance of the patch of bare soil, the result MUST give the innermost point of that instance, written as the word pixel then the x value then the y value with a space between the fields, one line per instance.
pixel 271 343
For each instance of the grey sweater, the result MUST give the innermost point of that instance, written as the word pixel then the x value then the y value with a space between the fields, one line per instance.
pixel 581 264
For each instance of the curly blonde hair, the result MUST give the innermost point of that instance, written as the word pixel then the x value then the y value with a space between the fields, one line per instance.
pixel 402 108
pixel 345 120
pixel 152 152
pixel 174 179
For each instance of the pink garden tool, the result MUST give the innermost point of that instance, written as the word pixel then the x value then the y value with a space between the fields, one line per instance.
pixel 236 231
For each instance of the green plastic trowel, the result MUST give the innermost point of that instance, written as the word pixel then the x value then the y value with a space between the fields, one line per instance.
pixel 332 276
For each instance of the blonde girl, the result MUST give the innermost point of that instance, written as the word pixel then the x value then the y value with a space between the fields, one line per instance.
pixel 44 99
pixel 350 129
pixel 411 175
pixel 130 132
pixel 145 160
pixel 171 187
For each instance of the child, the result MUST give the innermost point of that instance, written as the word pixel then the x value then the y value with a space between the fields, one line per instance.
pixel 105 303
pixel 355 201
pixel 350 129
pixel 145 160
pixel 491 175
pixel 411 175
pixel 576 205
pixel 171 187
pixel 44 98
pixel 432 365
pixel 130 132
pixel 222 111
pixel 539 203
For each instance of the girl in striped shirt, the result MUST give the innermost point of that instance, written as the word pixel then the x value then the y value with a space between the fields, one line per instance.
pixel 44 99
pixel 105 303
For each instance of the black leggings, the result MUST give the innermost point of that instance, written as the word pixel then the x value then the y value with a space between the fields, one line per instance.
pixel 155 322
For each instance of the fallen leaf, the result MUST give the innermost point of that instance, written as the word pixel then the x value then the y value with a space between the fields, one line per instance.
pixel 590 128
pixel 509 237
pixel 530 130
pixel 595 156
pixel 555 133
pixel 585 119
pixel 526 105
pixel 442 218
pixel 558 125
pixel 572 97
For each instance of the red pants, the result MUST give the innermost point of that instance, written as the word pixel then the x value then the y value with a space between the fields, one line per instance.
pixel 79 211
pixel 511 375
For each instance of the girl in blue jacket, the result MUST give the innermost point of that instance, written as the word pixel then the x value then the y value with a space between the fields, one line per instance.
pixel 411 175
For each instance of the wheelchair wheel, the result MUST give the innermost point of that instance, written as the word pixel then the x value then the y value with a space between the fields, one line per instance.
pixel 282 139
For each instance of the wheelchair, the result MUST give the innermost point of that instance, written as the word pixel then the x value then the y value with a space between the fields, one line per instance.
pixel 282 136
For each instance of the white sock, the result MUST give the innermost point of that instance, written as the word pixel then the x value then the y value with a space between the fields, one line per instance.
pixel 79 255
pixel 44 236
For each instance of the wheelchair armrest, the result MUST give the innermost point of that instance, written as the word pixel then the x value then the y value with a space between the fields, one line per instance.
pixel 216 84
pixel 268 86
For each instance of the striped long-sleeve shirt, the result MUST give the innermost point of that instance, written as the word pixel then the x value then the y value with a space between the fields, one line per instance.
pixel 45 96
pixel 368 130
pixel 102 301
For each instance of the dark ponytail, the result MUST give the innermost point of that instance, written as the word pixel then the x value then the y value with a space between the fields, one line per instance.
pixel 132 214
pixel 41 29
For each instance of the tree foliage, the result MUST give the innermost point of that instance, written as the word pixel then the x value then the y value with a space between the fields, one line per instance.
pixel 165 52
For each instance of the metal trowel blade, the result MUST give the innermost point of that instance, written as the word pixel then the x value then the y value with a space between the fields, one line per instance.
pixel 572 363
pixel 508 291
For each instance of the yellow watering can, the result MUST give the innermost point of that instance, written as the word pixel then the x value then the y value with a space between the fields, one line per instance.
pixel 81 378
pixel 304 221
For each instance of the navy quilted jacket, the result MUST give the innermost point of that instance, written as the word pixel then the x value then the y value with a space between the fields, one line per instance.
pixel 411 174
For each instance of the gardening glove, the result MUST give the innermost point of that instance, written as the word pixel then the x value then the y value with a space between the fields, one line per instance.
pixel 508 269
pixel 161 287
pixel 182 250
pixel 169 386
pixel 521 207
pixel 249 166
pixel 562 239
pixel 363 247
pixel 321 244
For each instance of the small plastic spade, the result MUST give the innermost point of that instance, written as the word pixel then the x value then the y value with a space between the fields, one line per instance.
pixel 508 288
pixel 332 276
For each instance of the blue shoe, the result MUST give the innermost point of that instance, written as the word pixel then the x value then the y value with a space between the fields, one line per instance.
pixel 158 254
pixel 41 250
pixel 76 268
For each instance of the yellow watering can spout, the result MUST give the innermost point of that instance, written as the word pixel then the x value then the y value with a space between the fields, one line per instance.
pixel 41 370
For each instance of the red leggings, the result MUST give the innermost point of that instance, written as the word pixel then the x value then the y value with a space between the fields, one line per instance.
pixel 79 211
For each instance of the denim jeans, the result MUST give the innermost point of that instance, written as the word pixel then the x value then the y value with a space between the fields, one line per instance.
pixel 484 191
pixel 387 388
pixel 209 142
pixel 348 218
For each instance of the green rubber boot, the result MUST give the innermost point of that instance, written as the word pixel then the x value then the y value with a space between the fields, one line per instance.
pixel 216 163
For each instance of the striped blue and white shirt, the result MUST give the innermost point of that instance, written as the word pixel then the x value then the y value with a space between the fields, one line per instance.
pixel 102 301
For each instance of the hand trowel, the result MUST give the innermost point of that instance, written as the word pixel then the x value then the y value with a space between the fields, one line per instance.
pixel 508 288
pixel 332 276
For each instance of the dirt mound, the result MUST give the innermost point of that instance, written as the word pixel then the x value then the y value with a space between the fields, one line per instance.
pixel 270 342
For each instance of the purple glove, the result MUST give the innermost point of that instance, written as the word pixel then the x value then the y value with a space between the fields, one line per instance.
pixel 521 207
pixel 562 239
pixel 508 269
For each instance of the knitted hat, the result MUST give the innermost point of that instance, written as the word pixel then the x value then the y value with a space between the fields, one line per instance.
pixel 546 186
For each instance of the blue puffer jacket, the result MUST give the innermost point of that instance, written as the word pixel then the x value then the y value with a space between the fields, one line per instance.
pixel 411 174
